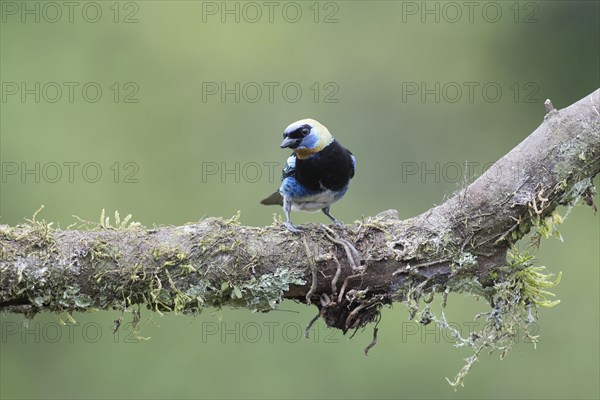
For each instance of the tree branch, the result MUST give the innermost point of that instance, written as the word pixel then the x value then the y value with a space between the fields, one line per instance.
pixel 460 245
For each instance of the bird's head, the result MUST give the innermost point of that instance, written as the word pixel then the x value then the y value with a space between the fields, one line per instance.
pixel 306 137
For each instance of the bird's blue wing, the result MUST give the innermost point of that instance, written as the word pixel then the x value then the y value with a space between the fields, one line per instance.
pixel 289 169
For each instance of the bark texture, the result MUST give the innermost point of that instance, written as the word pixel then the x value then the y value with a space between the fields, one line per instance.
pixel 348 272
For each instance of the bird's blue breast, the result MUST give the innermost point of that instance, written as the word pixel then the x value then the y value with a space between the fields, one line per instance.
pixel 309 200
pixel 290 187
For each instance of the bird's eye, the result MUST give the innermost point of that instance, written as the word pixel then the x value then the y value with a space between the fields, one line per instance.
pixel 305 131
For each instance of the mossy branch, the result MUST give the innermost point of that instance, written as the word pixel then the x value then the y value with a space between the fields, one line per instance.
pixel 460 245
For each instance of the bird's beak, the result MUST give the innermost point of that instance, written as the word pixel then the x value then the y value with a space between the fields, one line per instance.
pixel 291 143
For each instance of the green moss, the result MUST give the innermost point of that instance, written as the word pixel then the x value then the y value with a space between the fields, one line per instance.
pixel 520 288
pixel 101 250
pixel 216 271
pixel 514 291
pixel 530 282
pixel 118 223
pixel 547 227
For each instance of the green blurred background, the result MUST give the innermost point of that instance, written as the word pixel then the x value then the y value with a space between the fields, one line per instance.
pixel 161 139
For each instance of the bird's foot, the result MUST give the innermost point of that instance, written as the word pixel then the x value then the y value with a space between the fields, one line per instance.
pixel 292 228
pixel 338 223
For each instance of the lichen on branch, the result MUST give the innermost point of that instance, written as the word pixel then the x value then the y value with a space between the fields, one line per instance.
pixel 348 272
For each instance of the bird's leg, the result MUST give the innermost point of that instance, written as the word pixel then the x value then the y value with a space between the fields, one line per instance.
pixel 287 207
pixel 331 217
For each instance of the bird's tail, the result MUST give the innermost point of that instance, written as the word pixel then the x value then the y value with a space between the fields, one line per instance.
pixel 274 199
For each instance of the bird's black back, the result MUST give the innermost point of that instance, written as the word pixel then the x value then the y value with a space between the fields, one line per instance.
pixel 331 168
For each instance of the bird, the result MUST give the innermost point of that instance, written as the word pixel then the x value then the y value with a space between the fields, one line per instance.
pixel 316 175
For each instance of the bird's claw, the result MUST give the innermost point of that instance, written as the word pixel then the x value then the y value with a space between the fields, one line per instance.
pixel 292 228
pixel 338 223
